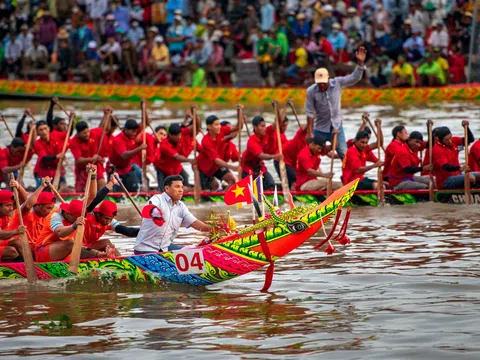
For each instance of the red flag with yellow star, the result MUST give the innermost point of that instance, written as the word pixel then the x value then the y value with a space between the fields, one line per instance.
pixel 239 192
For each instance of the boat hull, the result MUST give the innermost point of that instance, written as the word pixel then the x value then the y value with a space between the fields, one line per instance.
pixel 225 259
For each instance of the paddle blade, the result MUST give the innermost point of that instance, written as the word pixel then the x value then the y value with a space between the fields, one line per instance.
pixel 28 260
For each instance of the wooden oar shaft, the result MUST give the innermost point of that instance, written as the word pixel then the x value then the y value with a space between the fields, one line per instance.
pixel 56 180
pixel 246 125
pixel 8 127
pixel 144 142
pixel 196 185
pixel 380 194
pixel 330 180
pixel 128 194
pixel 290 103
pixel 108 115
pixel 79 232
pixel 27 252
pixel 430 155
pixel 375 132
pixel 27 150
pixel 283 170
pixel 57 194
pixel 63 109
pixel 468 193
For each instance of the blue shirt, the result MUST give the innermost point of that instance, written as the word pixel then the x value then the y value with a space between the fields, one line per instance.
pixel 122 17
pixel 416 43
pixel 176 32
pixel 171 6
pixel 338 40
pixel 325 106
pixel 267 14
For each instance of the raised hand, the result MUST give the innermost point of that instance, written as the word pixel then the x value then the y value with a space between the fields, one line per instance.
pixel 361 55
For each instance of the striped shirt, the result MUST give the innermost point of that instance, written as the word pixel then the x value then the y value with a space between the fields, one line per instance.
pixel 325 106
pixel 158 238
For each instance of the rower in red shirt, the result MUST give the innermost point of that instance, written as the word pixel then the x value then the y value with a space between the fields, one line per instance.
pixel 474 157
pixel 11 158
pixel 49 151
pixel 355 163
pixel 84 149
pixel 186 140
pixel 426 156
pixel 229 149
pixel 210 159
pixel 58 125
pixel 42 202
pixel 255 154
pixel 124 150
pixel 406 163
pixel 400 135
pixel 9 241
pixel 446 166
pixel 169 159
pixel 309 175
pixel 107 144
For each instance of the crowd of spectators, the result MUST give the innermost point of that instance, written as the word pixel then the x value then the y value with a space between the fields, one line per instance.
pixel 201 42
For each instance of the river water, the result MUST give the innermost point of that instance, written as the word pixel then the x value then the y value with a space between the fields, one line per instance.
pixel 406 288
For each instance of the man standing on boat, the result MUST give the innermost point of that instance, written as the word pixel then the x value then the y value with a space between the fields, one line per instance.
pixel 163 217
pixel 323 104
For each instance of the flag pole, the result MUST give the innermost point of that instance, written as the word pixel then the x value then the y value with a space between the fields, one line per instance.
pixel 260 194
pixel 253 206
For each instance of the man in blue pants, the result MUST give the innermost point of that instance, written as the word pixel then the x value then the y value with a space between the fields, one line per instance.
pixel 323 104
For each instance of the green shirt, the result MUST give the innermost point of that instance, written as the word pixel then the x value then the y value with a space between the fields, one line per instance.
pixel 432 69
pixel 264 46
pixel 282 42
pixel 199 78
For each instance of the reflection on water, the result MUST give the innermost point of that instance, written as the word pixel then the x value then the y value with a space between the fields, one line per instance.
pixel 407 287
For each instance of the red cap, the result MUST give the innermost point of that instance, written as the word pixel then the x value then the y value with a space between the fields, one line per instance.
pixel 46 197
pixel 6 197
pixel 74 207
pixel 147 214
pixel 107 208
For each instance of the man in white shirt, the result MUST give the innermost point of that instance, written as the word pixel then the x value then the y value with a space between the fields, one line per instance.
pixel 163 218
pixel 26 38
pixel 439 38
pixel 37 55
pixel 110 49
pixel 13 55
pixel 97 9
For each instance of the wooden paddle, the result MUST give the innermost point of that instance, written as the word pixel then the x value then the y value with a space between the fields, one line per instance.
pixel 79 232
pixel 56 179
pixel 334 146
pixel 246 125
pixel 375 132
pixel 8 127
pixel 57 194
pixel 27 149
pixel 27 251
pixel 105 123
pixel 283 169
pixel 380 193
pixel 196 185
pixel 143 104
pixel 431 183
pixel 127 193
pixel 240 126
pixel 290 103
pixel 468 193
pixel 63 109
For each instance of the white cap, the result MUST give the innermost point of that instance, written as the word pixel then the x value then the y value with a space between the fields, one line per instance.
pixel 178 17
pixel 159 38
pixel 328 8
pixel 321 76
pixel 92 44
pixel 110 17
pixel 352 10
pixel 153 29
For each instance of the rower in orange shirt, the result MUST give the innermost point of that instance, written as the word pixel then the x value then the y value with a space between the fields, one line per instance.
pixel 355 163
pixel 42 202
pixel 9 242
pixel 253 157
pixel 55 240
pixel 102 219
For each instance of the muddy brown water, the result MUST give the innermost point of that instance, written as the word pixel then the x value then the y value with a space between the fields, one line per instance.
pixel 406 288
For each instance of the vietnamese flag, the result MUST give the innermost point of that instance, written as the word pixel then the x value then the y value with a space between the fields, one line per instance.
pixel 239 192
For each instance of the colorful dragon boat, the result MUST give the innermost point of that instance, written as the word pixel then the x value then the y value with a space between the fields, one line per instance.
pixel 359 198
pixel 215 260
